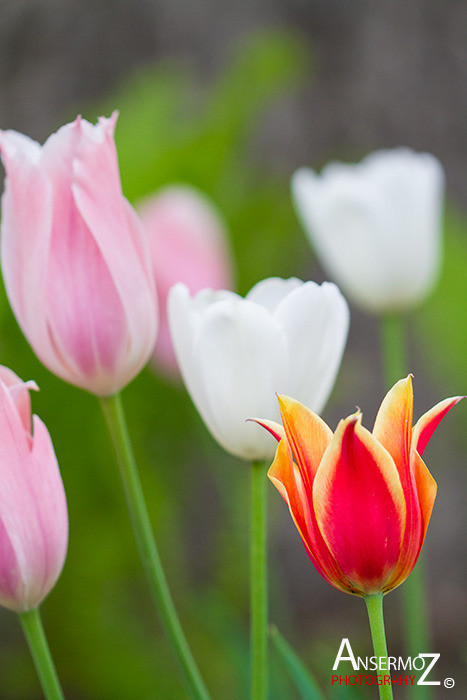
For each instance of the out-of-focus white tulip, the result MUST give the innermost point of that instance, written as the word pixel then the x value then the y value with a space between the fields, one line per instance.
pixel 376 225
pixel 234 354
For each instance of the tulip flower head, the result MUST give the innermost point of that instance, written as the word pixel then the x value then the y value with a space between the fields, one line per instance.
pixel 74 257
pixel 361 501
pixel 235 353
pixel 33 512
pixel 376 225
pixel 187 243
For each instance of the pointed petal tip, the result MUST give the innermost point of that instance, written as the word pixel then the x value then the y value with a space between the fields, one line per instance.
pixel 31 385
pixel 287 402
pixel 349 423
pixel 354 417
pixel 109 123
pixel 77 123
pixel 427 424
pixel 276 430
pixel 406 380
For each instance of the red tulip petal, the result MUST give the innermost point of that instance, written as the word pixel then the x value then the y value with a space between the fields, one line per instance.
pixel 427 424
pixel 393 429
pixel 307 434
pixel 426 487
pixel 360 506
pixel 286 477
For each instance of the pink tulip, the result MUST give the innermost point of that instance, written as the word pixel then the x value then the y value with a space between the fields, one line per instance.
pixel 74 257
pixel 187 244
pixel 33 512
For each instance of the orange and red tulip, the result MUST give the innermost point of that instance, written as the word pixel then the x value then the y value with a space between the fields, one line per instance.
pixel 361 500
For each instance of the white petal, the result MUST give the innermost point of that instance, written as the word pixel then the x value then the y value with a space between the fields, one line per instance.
pixel 269 292
pixel 184 316
pixel 239 350
pixel 376 225
pixel 315 320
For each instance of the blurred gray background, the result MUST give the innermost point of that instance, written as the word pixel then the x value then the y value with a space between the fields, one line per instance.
pixel 385 73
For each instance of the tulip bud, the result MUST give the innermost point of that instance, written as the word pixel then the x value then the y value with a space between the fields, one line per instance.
pixel 234 354
pixel 376 225
pixel 187 243
pixel 361 501
pixel 74 257
pixel 33 512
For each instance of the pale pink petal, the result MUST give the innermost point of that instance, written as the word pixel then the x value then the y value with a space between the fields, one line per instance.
pixel 119 237
pixel 25 235
pixel 32 508
pixel 19 391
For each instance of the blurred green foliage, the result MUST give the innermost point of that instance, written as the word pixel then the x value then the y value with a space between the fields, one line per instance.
pixel 441 324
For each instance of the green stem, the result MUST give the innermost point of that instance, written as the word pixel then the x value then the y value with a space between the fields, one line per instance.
pixel 374 606
pixel 394 349
pixel 37 642
pixel 149 555
pixel 258 583
pixel 417 632
pixel 393 345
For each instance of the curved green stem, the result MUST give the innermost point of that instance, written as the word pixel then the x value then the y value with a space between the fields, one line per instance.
pixel 374 606
pixel 258 583
pixel 147 548
pixel 394 349
pixel 37 642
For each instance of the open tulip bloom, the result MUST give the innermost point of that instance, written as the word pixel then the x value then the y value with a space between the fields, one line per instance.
pixel 360 500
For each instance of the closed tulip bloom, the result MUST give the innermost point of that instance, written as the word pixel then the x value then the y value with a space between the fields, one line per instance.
pixel 361 501
pixel 235 353
pixel 33 512
pixel 376 225
pixel 74 257
pixel 187 243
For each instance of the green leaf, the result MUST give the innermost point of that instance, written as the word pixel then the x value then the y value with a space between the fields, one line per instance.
pixel 306 685
pixel 441 334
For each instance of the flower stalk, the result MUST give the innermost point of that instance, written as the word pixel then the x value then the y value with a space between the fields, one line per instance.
pixel 149 555
pixel 415 608
pixel 34 632
pixel 258 582
pixel 374 606
pixel 393 348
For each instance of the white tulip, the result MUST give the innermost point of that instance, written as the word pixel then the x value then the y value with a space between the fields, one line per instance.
pixel 376 225
pixel 235 354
